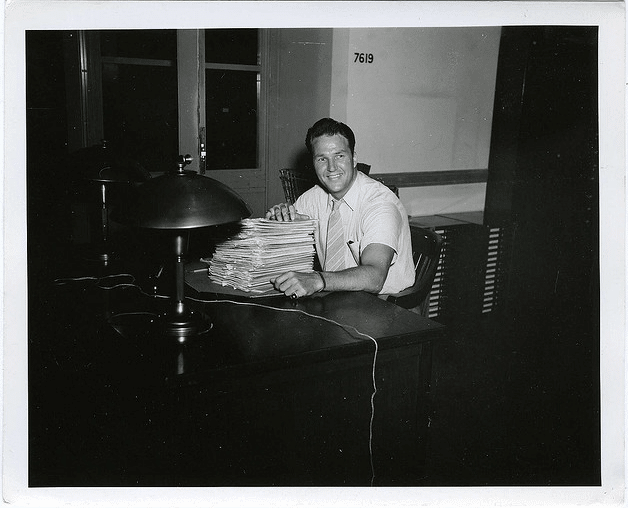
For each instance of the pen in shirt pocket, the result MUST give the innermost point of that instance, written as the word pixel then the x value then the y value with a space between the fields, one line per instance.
pixel 355 252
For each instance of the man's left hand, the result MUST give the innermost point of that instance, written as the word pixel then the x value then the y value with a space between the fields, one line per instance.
pixel 298 284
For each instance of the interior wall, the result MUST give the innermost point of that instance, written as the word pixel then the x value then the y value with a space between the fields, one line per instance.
pixel 300 84
pixel 425 103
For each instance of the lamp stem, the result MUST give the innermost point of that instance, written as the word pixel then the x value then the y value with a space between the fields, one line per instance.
pixel 182 323
pixel 104 216
pixel 179 246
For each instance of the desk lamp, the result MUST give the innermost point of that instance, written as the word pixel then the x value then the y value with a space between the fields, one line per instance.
pixel 101 165
pixel 177 202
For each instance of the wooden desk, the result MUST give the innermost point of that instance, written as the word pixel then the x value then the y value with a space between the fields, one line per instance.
pixel 278 393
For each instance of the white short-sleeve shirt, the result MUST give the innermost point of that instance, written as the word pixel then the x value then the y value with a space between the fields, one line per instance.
pixel 371 213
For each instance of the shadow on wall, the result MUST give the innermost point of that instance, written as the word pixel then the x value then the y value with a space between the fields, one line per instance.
pixel 302 161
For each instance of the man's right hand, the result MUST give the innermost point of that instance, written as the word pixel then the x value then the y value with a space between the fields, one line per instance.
pixel 284 212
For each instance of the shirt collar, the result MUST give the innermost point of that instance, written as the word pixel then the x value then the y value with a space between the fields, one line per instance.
pixel 352 195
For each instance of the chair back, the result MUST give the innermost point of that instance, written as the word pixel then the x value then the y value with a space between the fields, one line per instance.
pixel 426 248
pixel 295 183
pixel 365 168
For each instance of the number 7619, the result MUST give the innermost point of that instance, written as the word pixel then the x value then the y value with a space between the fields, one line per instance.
pixel 363 58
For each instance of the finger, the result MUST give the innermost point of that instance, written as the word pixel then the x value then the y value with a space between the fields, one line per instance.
pixel 292 212
pixel 293 288
pixel 285 213
pixel 276 213
pixel 279 280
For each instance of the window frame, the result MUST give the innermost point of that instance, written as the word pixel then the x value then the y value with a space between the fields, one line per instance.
pixel 191 67
pixel 86 125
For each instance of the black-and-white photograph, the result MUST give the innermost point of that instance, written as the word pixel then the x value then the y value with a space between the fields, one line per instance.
pixel 370 258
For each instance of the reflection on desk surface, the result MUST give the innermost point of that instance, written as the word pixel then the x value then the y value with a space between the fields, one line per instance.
pixel 278 392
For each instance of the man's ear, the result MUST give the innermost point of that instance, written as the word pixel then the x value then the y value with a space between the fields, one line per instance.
pixel 355 159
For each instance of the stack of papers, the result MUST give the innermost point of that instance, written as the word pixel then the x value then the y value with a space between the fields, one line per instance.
pixel 262 250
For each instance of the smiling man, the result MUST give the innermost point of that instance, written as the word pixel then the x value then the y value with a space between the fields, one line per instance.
pixel 363 238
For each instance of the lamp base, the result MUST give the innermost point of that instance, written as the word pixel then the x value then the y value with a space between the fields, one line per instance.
pixel 148 325
pixel 101 254
pixel 184 328
pixel 104 257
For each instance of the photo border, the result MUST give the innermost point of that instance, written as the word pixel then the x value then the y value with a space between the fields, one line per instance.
pixel 22 15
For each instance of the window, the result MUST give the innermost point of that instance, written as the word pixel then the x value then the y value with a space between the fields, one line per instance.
pixel 142 101
pixel 139 84
pixel 232 94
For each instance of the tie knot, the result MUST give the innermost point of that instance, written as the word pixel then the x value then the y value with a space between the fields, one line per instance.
pixel 335 204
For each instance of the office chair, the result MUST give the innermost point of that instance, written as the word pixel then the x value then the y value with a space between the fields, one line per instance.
pixel 295 182
pixel 392 187
pixel 426 248
pixel 365 168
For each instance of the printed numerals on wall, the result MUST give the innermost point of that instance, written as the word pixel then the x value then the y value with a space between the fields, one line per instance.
pixel 363 58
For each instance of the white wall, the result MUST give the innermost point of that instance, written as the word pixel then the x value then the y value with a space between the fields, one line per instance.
pixel 424 104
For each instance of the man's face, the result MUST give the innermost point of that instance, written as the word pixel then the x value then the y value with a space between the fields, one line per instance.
pixel 335 167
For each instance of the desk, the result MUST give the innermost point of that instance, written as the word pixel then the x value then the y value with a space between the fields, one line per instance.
pixel 278 393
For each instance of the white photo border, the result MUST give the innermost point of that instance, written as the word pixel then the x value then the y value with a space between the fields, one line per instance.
pixel 22 15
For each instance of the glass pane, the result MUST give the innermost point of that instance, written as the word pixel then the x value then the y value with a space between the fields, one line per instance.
pixel 45 96
pixel 140 113
pixel 231 119
pixel 155 44
pixel 234 46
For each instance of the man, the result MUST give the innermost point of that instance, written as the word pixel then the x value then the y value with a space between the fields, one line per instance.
pixel 363 238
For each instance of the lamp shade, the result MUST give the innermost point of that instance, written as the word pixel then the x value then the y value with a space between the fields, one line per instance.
pixel 100 163
pixel 181 200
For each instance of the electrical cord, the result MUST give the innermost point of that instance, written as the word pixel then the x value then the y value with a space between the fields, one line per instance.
pixel 345 327
pixel 98 281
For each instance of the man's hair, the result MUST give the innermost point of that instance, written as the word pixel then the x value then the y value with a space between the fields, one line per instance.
pixel 329 127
